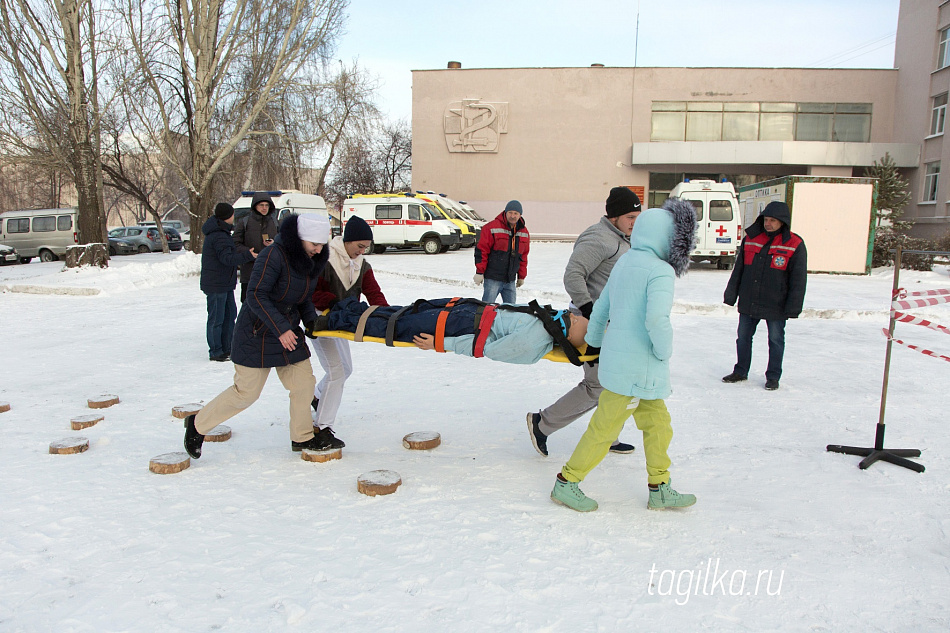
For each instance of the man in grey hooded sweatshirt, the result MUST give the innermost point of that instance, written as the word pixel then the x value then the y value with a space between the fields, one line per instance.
pixel 596 250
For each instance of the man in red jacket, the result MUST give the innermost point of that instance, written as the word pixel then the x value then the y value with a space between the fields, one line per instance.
pixel 501 255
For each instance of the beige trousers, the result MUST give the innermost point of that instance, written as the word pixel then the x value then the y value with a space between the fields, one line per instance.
pixel 249 382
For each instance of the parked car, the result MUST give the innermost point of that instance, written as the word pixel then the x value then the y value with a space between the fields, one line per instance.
pixel 43 233
pixel 120 247
pixel 8 255
pixel 146 239
pixel 178 225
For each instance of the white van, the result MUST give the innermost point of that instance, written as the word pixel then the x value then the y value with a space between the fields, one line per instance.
pixel 718 223
pixel 402 221
pixel 286 201
pixel 43 233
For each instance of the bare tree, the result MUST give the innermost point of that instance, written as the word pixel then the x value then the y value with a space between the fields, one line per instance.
pixel 379 162
pixel 194 102
pixel 394 153
pixel 49 96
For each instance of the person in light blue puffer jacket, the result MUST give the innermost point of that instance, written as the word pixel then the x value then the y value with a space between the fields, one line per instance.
pixel 630 322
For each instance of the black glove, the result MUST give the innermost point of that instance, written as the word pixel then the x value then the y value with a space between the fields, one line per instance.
pixel 309 328
pixel 586 309
pixel 592 351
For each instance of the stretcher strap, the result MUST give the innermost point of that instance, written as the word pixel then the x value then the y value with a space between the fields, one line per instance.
pixel 440 325
pixel 391 325
pixel 482 329
pixel 361 326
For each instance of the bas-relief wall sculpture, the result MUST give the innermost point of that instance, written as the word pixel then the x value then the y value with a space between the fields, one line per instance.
pixel 472 125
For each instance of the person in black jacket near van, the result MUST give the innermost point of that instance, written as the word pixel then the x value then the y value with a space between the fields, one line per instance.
pixel 769 281
pixel 219 262
pixel 268 333
pixel 256 230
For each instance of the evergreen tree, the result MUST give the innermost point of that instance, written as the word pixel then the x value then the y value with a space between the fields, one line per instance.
pixel 892 193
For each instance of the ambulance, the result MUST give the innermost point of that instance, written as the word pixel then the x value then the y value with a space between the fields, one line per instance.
pixel 718 222
pixel 468 236
pixel 286 201
pixel 402 221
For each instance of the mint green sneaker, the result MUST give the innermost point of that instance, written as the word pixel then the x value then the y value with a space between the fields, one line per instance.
pixel 665 497
pixel 567 493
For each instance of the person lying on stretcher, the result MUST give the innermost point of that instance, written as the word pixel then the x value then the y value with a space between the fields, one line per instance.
pixel 507 333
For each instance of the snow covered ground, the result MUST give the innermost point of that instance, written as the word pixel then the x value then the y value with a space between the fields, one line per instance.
pixel 785 536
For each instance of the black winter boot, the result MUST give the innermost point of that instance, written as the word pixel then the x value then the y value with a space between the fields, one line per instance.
pixel 193 439
pixel 327 436
pixel 734 377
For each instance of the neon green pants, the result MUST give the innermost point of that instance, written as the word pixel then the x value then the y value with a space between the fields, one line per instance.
pixel 612 412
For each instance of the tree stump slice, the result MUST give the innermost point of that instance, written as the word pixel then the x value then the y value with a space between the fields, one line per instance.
pixel 69 446
pixel 378 482
pixel 220 433
pixel 422 440
pixel 103 401
pixel 182 411
pixel 81 422
pixel 4 407
pixel 169 463
pixel 321 456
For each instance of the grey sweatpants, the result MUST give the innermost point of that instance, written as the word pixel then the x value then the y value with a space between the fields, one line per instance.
pixel 572 405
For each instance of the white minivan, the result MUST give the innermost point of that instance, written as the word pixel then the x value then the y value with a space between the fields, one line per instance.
pixel 402 221
pixel 286 201
pixel 718 224
pixel 43 233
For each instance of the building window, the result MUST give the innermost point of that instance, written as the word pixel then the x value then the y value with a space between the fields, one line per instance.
pixel 943 53
pixel 932 173
pixel 743 121
pixel 939 117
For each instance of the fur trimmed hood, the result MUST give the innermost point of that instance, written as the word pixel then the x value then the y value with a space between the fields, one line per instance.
pixel 289 240
pixel 669 232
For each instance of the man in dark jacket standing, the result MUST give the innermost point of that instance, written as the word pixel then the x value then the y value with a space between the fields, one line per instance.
pixel 219 262
pixel 256 230
pixel 501 255
pixel 769 281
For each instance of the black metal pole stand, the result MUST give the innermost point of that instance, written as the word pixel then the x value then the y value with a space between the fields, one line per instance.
pixel 878 452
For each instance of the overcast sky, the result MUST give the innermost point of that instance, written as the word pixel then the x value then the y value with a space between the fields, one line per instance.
pixel 391 39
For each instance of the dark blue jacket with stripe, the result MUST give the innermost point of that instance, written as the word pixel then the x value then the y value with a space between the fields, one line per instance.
pixel 278 300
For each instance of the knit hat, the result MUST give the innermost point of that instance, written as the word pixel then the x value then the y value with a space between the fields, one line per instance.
pixel 514 205
pixel 622 201
pixel 223 211
pixel 313 227
pixel 357 230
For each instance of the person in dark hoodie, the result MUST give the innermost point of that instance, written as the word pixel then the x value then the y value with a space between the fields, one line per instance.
pixel 268 333
pixel 769 281
pixel 501 255
pixel 256 230
pixel 219 262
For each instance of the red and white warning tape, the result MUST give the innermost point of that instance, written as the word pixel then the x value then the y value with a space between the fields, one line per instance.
pixel 914 347
pixel 936 296
pixel 903 317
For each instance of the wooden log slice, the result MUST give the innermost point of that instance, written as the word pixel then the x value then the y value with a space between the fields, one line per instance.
pixel 68 446
pixel 182 411
pixel 422 440
pixel 169 463
pixel 220 433
pixel 103 401
pixel 378 482
pixel 321 456
pixel 85 421
pixel 4 407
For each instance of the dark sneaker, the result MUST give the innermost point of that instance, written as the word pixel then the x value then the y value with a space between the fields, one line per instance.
pixel 220 358
pixel 315 403
pixel 771 385
pixel 538 439
pixel 315 443
pixel 193 439
pixel 734 377
pixel 622 448
pixel 327 436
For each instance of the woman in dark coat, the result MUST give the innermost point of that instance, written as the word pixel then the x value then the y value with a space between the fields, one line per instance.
pixel 268 334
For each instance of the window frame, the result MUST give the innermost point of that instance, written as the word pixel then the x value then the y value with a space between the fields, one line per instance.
pixel 943 48
pixel 938 117
pixel 931 181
